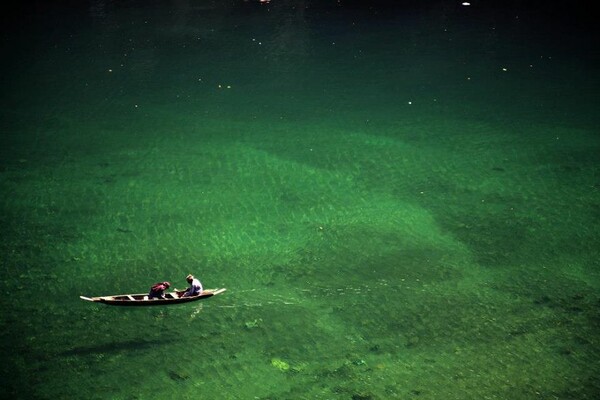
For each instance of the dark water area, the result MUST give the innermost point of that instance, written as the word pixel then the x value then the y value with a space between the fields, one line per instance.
pixel 401 198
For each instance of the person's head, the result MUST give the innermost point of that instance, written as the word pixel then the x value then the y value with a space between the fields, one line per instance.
pixel 167 284
pixel 189 278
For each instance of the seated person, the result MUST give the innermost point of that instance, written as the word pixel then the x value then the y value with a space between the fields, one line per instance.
pixel 195 287
pixel 157 291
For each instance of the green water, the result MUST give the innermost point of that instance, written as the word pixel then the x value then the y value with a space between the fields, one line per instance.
pixel 402 202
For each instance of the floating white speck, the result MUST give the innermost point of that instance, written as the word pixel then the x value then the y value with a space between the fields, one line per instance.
pixel 466 3
pixel 504 69
pixel 410 102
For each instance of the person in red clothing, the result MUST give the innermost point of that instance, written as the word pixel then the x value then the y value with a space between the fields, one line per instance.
pixel 157 291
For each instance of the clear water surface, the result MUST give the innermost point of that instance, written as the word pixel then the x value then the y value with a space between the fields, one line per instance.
pixel 400 197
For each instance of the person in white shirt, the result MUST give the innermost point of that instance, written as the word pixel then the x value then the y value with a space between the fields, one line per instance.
pixel 195 287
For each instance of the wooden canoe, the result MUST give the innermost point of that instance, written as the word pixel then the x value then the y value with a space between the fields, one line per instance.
pixel 142 299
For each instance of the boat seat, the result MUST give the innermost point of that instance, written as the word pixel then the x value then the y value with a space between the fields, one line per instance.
pixel 130 298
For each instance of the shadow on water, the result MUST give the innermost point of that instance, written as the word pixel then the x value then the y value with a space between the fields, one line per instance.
pixel 116 346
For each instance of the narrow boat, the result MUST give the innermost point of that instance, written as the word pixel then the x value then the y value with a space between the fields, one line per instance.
pixel 143 300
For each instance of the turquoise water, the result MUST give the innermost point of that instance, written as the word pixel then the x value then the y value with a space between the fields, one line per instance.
pixel 401 200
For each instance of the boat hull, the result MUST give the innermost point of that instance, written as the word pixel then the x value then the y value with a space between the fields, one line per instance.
pixel 141 300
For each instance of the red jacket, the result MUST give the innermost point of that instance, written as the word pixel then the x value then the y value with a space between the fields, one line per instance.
pixel 159 288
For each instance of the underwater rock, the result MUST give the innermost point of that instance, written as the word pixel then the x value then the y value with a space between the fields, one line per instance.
pixel 178 377
pixel 280 364
pixel 251 324
pixel 362 396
